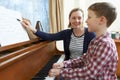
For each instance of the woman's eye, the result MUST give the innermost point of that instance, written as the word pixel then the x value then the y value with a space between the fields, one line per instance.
pixel 73 18
pixel 76 18
pixel 79 18
pixel 89 17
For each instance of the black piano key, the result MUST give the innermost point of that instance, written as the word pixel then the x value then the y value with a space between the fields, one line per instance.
pixel 44 71
pixel 38 78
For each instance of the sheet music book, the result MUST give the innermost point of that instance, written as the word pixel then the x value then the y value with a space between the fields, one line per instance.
pixel 11 30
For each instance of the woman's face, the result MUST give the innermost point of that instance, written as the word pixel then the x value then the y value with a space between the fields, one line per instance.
pixel 76 19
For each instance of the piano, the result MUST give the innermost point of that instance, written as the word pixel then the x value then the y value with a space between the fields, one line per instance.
pixel 24 60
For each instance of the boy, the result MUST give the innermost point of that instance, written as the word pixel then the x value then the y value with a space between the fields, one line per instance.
pixel 101 58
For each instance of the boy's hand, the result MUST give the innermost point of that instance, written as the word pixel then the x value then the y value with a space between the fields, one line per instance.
pixel 58 65
pixel 54 72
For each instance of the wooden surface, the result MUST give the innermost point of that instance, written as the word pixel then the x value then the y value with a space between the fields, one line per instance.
pixel 17 45
pixel 118 49
pixel 25 63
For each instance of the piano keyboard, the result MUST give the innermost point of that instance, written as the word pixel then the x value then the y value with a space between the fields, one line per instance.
pixel 61 59
pixel 43 74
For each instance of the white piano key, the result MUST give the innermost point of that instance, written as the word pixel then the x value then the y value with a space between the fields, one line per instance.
pixel 49 78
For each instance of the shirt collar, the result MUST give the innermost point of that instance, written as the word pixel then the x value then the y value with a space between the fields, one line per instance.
pixel 107 34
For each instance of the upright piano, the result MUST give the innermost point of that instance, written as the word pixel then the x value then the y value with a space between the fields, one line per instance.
pixel 22 61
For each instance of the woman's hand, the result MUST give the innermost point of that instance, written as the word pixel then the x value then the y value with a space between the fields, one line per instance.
pixel 58 65
pixel 26 24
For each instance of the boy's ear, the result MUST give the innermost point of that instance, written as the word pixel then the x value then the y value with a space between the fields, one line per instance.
pixel 103 20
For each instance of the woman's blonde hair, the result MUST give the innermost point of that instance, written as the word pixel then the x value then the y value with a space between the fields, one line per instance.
pixel 74 10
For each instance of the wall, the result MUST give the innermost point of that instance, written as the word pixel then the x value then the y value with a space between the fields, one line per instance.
pixel 68 6
pixel 115 26
pixel 84 4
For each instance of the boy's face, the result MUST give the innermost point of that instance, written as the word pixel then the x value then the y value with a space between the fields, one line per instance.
pixel 92 21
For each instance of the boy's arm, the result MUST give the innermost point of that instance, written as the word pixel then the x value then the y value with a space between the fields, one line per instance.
pixel 74 63
pixel 96 62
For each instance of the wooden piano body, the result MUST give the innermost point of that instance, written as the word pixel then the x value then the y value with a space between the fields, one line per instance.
pixel 25 59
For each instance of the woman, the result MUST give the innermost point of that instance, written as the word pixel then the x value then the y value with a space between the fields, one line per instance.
pixel 76 39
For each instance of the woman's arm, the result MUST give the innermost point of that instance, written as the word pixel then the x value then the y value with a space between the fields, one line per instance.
pixel 46 36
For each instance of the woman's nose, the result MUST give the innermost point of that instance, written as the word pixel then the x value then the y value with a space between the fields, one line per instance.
pixel 77 20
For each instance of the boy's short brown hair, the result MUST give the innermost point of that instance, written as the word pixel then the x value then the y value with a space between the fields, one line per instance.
pixel 104 9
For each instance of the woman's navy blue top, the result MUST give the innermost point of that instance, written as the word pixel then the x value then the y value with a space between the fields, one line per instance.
pixel 65 35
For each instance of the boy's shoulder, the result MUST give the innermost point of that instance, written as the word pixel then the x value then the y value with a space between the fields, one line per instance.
pixel 108 41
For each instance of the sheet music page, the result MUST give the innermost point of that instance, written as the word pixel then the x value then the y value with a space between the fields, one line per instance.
pixel 11 30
